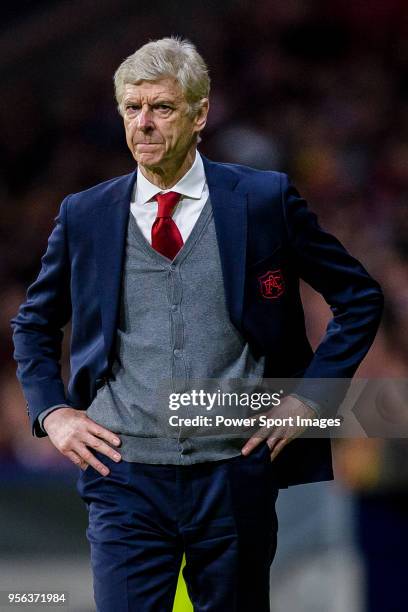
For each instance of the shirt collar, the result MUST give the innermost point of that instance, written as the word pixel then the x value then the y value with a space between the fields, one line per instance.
pixel 190 185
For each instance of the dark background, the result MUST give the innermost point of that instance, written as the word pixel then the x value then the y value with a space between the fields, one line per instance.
pixel 316 89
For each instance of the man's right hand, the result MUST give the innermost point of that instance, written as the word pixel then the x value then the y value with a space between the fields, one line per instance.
pixel 72 432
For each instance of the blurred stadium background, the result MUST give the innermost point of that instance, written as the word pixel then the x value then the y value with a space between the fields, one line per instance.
pixel 317 89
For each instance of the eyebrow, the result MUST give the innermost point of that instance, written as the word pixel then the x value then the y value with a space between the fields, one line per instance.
pixel 133 100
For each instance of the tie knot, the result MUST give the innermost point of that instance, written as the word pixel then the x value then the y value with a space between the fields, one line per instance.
pixel 167 203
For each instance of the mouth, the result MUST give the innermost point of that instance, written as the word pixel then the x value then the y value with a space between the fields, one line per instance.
pixel 147 144
pixel 146 147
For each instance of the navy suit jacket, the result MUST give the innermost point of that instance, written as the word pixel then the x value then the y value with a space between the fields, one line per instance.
pixel 265 233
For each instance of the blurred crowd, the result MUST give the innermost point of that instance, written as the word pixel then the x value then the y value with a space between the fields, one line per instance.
pixel 315 89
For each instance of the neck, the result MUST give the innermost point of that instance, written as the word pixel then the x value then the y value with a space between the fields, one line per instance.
pixel 167 177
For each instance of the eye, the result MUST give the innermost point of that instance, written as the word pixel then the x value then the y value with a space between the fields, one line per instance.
pixel 162 108
pixel 132 108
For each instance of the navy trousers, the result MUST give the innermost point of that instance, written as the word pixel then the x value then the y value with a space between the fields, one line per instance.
pixel 143 517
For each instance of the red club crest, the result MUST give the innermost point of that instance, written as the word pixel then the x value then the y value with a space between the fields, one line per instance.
pixel 271 284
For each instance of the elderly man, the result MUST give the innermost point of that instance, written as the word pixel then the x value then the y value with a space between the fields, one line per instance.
pixel 183 269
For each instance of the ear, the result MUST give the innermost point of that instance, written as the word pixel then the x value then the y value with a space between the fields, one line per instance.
pixel 201 117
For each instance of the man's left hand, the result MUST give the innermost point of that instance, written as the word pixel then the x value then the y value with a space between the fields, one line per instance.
pixel 279 436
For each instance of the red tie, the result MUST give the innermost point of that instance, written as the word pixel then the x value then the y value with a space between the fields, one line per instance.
pixel 166 237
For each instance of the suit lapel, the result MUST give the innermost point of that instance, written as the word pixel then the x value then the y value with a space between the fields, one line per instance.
pixel 109 235
pixel 230 217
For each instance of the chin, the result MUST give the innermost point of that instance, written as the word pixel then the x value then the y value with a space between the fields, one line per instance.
pixel 148 160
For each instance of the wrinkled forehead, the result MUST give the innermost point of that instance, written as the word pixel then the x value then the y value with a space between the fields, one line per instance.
pixel 166 88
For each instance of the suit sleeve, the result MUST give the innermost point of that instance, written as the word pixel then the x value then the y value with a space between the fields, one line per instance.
pixel 355 299
pixel 37 328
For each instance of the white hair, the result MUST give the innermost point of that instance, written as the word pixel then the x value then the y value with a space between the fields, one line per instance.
pixel 167 57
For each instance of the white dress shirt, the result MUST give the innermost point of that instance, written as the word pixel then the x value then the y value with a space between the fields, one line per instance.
pixel 193 189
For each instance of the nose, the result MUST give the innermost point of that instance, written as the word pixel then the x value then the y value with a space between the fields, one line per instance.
pixel 145 119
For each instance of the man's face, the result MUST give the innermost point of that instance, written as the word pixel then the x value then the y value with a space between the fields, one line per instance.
pixel 159 130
